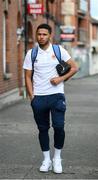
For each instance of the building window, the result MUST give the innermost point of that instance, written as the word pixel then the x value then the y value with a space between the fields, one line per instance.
pixel 6 70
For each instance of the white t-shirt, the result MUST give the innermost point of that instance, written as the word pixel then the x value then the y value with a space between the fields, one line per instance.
pixel 44 70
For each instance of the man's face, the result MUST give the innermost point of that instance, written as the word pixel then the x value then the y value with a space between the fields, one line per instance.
pixel 43 37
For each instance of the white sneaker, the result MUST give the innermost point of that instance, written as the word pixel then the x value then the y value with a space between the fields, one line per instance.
pixel 46 166
pixel 57 166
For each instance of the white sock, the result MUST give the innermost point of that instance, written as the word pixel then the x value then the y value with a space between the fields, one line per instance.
pixel 46 155
pixel 57 154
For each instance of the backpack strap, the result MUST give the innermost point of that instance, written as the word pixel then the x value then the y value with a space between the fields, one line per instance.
pixel 57 51
pixel 34 54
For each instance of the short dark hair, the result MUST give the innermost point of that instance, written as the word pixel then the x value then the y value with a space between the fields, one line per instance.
pixel 45 26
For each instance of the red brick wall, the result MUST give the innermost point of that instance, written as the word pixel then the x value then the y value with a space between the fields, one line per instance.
pixel 12 56
pixel 1 66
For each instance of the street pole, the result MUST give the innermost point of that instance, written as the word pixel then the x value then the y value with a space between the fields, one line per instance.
pixel 47 11
pixel 25 44
pixel 25 27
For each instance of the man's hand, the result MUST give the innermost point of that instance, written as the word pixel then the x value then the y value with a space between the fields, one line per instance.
pixel 56 80
pixel 31 97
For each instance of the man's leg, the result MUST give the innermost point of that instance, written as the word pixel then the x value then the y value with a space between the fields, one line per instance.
pixel 41 116
pixel 58 116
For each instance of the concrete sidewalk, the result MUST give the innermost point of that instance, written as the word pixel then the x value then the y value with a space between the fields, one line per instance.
pixel 10 98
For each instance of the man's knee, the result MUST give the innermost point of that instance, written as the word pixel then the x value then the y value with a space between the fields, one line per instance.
pixel 43 128
pixel 59 129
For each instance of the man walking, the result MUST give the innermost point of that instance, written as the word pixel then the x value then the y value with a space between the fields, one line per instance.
pixel 46 92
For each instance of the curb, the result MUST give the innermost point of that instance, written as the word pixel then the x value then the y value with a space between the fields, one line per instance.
pixel 10 98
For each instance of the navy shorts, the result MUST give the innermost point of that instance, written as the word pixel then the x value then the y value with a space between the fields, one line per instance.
pixel 48 107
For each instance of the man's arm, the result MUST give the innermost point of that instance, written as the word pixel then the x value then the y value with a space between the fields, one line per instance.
pixel 28 83
pixel 72 71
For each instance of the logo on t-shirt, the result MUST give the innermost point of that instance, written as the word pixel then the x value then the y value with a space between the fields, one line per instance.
pixel 53 56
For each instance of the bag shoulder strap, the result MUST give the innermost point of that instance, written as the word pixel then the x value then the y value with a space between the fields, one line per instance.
pixel 57 51
pixel 34 54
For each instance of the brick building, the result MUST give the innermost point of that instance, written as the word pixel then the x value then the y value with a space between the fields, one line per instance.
pixel 79 34
pixel 76 20
pixel 10 56
pixel 75 32
pixel 51 15
pixel 93 46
